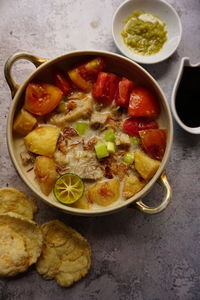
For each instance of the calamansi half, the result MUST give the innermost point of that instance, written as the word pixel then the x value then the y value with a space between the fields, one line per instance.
pixel 68 188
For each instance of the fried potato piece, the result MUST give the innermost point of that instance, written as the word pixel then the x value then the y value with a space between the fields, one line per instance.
pixel 81 203
pixel 24 122
pixel 42 140
pixel 66 254
pixel 12 200
pixel 104 193
pixel 45 171
pixel 145 165
pixel 132 185
pixel 21 243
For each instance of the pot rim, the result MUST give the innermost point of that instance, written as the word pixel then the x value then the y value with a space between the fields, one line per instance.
pixel 104 210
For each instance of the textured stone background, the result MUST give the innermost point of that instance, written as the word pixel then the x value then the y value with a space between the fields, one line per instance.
pixel 135 256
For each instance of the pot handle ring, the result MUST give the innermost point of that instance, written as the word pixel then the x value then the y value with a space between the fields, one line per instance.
pixel 37 61
pixel 167 198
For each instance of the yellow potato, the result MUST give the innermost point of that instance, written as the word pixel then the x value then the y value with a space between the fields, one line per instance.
pixel 104 193
pixel 24 122
pixel 21 243
pixel 66 255
pixel 82 203
pixel 145 165
pixel 12 200
pixel 132 185
pixel 42 140
pixel 45 171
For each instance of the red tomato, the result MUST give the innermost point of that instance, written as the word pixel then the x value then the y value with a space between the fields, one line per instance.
pixel 132 126
pixel 62 82
pixel 143 103
pixel 154 142
pixel 125 87
pixel 83 75
pixel 90 69
pixel 79 81
pixel 104 90
pixel 42 98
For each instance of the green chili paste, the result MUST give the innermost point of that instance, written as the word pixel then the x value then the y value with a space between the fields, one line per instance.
pixel 144 33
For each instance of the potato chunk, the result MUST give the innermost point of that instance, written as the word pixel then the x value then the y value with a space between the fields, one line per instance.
pixel 132 185
pixel 24 122
pixel 45 171
pixel 104 193
pixel 42 140
pixel 145 165
pixel 81 203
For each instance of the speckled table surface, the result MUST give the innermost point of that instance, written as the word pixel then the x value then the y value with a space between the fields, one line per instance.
pixel 135 256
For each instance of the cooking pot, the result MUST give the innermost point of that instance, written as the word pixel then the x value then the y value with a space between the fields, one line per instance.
pixel 117 64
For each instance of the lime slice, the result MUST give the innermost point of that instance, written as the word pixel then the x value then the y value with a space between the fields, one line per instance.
pixel 68 188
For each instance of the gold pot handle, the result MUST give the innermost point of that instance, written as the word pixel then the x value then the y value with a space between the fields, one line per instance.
pixel 167 198
pixel 37 61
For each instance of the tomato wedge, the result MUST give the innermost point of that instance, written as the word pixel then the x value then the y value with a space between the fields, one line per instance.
pixel 90 69
pixel 42 98
pixel 125 87
pixel 79 81
pixel 154 142
pixel 62 82
pixel 104 90
pixel 85 74
pixel 143 103
pixel 132 126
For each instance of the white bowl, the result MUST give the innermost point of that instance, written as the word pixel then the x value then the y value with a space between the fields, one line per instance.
pixel 164 11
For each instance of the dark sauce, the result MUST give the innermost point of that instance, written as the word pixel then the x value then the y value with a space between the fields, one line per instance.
pixel 188 97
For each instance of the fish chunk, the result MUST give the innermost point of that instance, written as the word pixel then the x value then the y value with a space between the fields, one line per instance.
pixel 82 110
pixel 122 139
pixel 87 167
pixel 98 119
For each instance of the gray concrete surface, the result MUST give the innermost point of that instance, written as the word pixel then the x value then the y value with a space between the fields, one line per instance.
pixel 135 256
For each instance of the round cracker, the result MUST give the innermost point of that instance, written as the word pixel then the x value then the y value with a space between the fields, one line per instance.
pixel 66 254
pixel 27 244
pixel 13 255
pixel 12 200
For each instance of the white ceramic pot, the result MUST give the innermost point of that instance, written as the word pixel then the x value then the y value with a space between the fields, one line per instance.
pixel 116 64
pixel 185 62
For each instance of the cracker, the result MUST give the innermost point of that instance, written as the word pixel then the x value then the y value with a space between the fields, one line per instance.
pixel 13 255
pixel 21 243
pixel 12 200
pixel 66 254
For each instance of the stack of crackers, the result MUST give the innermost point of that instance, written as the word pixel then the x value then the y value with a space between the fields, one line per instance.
pixel 59 252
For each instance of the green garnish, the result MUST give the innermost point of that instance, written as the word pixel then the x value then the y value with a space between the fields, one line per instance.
pixel 82 127
pixel 135 140
pixel 110 147
pixel 128 157
pixel 101 150
pixel 109 135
